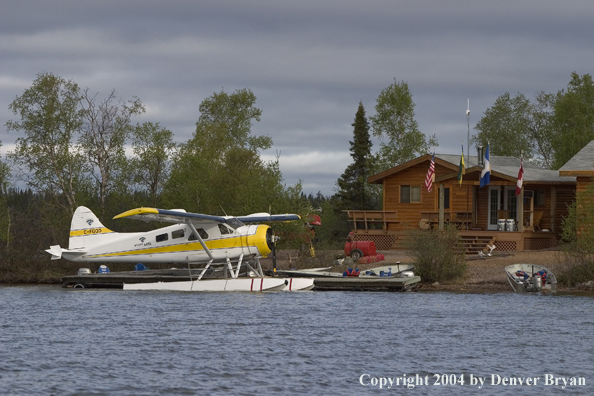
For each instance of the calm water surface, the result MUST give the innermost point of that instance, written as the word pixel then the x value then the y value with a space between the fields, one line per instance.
pixel 107 342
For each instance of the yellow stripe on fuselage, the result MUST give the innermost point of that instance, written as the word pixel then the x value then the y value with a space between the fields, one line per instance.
pixel 90 231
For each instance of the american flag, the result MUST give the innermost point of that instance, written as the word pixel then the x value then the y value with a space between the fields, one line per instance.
pixel 430 174
pixel 520 177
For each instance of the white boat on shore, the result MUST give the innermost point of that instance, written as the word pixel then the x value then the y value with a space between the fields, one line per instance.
pixel 530 278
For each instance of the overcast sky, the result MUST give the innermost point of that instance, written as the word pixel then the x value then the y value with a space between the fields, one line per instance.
pixel 309 63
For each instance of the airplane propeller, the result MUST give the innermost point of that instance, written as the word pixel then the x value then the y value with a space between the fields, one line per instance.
pixel 271 240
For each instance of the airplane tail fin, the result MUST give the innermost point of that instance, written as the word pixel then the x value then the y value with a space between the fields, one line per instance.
pixel 86 229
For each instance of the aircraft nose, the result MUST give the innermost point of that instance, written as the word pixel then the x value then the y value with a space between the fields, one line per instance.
pixel 261 240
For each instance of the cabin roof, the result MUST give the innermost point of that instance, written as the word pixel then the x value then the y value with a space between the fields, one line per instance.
pixel 505 167
pixel 581 164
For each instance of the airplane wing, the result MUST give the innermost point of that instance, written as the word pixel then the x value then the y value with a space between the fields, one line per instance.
pixel 168 216
pixel 265 218
pixel 180 215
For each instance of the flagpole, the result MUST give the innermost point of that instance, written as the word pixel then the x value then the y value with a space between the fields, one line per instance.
pixel 468 122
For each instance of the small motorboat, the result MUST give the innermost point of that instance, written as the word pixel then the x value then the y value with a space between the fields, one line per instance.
pixel 531 278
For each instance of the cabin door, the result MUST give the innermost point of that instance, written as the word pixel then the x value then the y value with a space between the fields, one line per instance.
pixel 494 205
pixel 511 202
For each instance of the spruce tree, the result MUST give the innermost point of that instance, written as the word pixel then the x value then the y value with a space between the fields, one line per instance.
pixel 354 192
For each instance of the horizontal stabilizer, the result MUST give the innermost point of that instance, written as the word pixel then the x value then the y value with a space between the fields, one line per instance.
pixel 55 251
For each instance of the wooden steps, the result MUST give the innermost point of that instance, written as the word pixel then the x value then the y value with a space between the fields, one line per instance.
pixel 476 243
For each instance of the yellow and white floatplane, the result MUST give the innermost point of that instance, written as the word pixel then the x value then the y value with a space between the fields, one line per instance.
pixel 221 253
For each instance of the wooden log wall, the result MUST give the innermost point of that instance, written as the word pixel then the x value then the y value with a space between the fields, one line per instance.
pixel 409 214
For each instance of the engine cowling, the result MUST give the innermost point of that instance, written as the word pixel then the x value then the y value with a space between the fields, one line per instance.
pixel 260 240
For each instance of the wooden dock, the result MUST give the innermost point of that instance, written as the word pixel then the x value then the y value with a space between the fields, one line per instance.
pixel 116 280
pixel 367 284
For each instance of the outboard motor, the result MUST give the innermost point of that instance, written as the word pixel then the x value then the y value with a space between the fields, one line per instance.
pixel 537 282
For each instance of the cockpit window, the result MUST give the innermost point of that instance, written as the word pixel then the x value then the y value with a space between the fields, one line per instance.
pixel 177 234
pixel 224 229
pixel 162 238
pixel 234 223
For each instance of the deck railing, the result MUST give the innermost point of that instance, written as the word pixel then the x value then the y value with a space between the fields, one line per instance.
pixel 372 219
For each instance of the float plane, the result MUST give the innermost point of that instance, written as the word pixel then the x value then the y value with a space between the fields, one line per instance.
pixel 224 249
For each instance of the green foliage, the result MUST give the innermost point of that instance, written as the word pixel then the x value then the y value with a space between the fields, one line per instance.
pixel 438 254
pixel 335 226
pixel 47 157
pixel 515 125
pixel 395 125
pixel 578 238
pixel 153 147
pixel 504 126
pixel 220 168
pixel 573 119
pixel 354 191
pixel 233 113
pixel 541 129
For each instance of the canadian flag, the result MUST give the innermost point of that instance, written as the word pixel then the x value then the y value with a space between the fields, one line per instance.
pixel 520 177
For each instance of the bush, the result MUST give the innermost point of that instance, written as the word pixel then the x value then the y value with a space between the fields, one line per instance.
pixel 577 264
pixel 439 255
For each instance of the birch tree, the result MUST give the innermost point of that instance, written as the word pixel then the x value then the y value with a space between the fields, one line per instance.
pixel 105 130
pixel 46 155
pixel 153 147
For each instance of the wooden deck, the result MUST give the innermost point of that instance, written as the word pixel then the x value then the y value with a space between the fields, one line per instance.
pixel 389 231
pixel 474 240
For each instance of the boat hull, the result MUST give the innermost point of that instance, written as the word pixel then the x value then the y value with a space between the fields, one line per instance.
pixel 299 284
pixel 397 270
pixel 520 285
pixel 228 285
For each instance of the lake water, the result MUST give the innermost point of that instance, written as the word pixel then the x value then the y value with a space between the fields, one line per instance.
pixel 56 341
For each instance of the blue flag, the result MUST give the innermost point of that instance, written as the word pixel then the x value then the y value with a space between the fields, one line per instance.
pixel 486 172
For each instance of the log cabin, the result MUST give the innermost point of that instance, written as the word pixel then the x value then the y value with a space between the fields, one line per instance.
pixel 492 215
pixel 581 166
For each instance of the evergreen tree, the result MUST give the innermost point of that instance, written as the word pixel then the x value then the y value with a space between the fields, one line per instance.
pixel 354 192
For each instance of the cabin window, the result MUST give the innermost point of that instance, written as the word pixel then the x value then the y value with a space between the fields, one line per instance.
pixel 162 237
pixel 203 234
pixel 224 229
pixel 178 234
pixel 539 199
pixel 410 194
